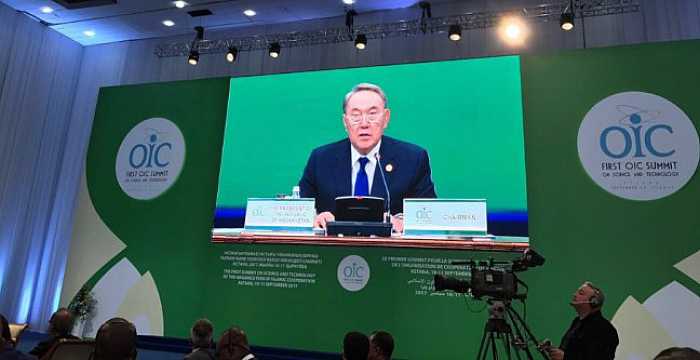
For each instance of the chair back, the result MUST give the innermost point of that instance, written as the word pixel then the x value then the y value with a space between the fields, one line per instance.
pixel 70 350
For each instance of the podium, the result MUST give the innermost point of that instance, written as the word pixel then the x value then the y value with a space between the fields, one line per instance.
pixel 471 244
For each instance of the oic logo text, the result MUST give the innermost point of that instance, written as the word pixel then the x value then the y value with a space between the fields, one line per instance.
pixel 638 146
pixel 353 273
pixel 150 158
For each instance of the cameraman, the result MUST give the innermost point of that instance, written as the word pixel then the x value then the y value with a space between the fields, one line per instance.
pixel 590 336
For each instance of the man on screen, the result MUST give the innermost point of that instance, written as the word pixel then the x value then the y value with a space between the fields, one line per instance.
pixel 350 166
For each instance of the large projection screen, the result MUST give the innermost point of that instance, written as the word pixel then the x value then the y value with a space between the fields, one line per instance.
pixel 466 113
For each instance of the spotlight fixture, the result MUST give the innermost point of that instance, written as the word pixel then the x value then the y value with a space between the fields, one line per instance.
pixel 168 23
pixel 249 12
pixel 180 4
pixel 194 57
pixel 89 33
pixel 232 54
pixel 348 2
pixel 275 50
pixel 46 9
pixel 455 32
pixel 513 30
pixel 566 21
pixel 361 41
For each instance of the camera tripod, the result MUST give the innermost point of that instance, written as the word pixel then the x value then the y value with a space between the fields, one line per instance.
pixel 514 339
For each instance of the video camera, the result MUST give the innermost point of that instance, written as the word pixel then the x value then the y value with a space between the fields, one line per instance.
pixel 490 278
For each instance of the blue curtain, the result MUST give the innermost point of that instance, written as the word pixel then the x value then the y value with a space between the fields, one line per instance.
pixel 39 71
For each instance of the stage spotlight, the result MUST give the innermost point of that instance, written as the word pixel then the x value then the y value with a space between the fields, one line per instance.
pixel 232 54
pixel 180 4
pixel 348 2
pixel 567 21
pixel 455 32
pixel 513 30
pixel 194 57
pixel 89 33
pixel 46 9
pixel 361 41
pixel 275 50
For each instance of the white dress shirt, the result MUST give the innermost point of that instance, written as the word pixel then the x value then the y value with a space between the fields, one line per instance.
pixel 369 168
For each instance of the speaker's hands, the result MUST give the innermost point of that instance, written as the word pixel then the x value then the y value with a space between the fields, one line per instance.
pixel 323 218
pixel 397 222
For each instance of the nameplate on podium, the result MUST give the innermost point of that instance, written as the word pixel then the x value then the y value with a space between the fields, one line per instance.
pixel 444 217
pixel 289 216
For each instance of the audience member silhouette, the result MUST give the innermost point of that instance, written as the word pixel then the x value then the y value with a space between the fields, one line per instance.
pixel 201 335
pixel 355 346
pixel 115 340
pixel 60 327
pixel 233 345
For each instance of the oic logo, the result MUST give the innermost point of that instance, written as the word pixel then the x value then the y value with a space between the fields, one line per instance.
pixel 638 146
pixel 353 273
pixel 150 158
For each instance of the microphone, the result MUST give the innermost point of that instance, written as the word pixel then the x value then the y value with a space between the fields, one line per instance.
pixel 386 187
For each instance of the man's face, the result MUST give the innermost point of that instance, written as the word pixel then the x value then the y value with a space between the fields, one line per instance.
pixel 365 119
pixel 582 296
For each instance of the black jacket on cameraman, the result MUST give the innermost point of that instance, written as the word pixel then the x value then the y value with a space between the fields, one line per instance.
pixel 590 338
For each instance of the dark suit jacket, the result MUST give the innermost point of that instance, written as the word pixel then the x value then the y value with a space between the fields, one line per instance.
pixel 593 338
pixel 200 354
pixel 328 174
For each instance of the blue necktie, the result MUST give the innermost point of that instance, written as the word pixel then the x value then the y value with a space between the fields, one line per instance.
pixel 361 182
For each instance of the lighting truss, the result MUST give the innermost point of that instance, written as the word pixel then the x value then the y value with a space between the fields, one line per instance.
pixel 403 28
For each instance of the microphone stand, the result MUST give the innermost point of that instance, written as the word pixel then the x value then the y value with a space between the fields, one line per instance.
pixel 387 209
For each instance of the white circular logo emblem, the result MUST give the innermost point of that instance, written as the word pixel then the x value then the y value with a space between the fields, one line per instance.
pixel 353 273
pixel 638 146
pixel 150 158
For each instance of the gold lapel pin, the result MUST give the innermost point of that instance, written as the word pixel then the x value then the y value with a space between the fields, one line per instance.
pixel 389 168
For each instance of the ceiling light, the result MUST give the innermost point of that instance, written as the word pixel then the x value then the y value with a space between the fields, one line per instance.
pixel 232 54
pixel 348 2
pixel 180 4
pixel 46 9
pixel 168 23
pixel 193 59
pixel 513 30
pixel 89 33
pixel 249 12
pixel 455 32
pixel 275 50
pixel 567 21
pixel 361 41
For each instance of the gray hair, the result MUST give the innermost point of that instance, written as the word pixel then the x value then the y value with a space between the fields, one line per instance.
pixel 202 332
pixel 598 294
pixel 365 87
